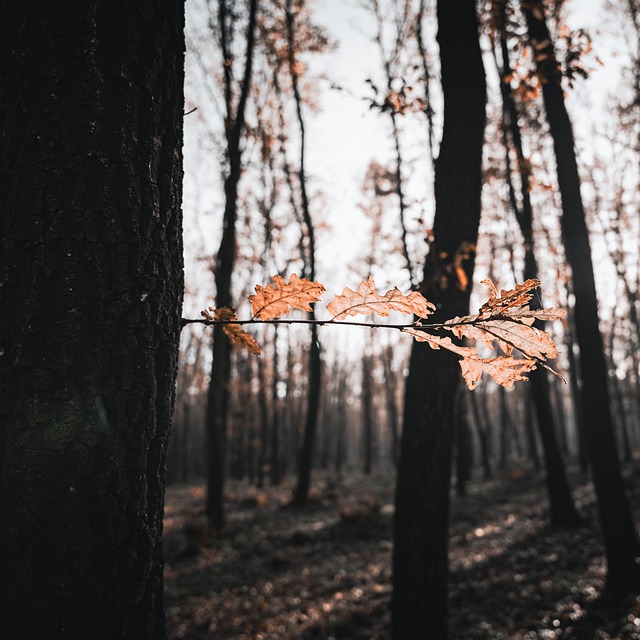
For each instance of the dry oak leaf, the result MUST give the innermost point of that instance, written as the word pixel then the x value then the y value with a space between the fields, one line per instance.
pixel 365 301
pixel 234 332
pixel 439 342
pixel 505 370
pixel 275 300
pixel 528 316
pixel 510 299
pixel 510 334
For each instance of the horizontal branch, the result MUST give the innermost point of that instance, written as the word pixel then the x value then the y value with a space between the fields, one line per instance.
pixel 374 325
pixel 322 323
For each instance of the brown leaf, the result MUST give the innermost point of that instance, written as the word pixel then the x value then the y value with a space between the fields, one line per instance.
pixel 275 300
pixel 530 315
pixel 513 298
pixel 234 332
pixel 510 334
pixel 439 342
pixel 365 301
pixel 503 369
pixel 468 326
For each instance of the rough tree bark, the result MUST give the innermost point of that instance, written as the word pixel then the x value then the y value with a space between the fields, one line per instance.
pixel 620 537
pixel 421 531
pixel 91 109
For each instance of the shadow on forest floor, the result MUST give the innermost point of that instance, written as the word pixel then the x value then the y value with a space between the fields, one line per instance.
pixel 324 571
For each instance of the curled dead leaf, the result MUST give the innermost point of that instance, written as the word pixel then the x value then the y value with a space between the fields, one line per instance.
pixel 440 342
pixel 510 299
pixel 505 370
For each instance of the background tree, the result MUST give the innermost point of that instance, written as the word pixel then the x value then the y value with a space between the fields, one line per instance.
pixel 420 570
pixel 234 125
pixel 561 506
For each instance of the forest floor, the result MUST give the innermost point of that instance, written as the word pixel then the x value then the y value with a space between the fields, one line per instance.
pixel 324 571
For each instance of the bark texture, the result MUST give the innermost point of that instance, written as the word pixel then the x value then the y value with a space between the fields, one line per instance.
pixel 420 564
pixel 91 110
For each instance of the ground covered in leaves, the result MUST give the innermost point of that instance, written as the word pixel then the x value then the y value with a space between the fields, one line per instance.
pixel 324 571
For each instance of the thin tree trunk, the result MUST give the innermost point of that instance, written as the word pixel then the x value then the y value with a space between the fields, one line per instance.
pixel 276 464
pixel 482 436
pixel 305 459
pixel 367 415
pixel 218 395
pixel 390 382
pixel 264 424
pixel 532 445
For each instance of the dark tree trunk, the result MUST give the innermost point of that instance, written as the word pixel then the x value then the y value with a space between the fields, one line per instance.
pixel 341 424
pixel 264 424
pixel 421 523
pixel 218 395
pixel 276 469
pixel 558 403
pixel 483 436
pixel 620 538
pixel 390 386
pixel 91 109
pixel 561 506
pixel 532 445
pixel 464 450
pixel 367 416
pixel 576 392
pixel 305 459
pixel 506 426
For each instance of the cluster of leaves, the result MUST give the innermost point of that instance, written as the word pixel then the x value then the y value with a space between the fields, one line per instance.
pixel 505 320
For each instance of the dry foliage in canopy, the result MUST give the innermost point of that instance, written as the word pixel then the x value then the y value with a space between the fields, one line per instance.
pixel 504 320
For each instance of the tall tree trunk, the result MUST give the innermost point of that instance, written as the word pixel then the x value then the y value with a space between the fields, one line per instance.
pixel 464 450
pixel 483 436
pixel 576 391
pixel 305 459
pixel 218 395
pixel 367 415
pixel 91 110
pixel 562 509
pixel 276 469
pixel 506 426
pixel 264 423
pixel 390 386
pixel 421 523
pixel 620 538
pixel 532 445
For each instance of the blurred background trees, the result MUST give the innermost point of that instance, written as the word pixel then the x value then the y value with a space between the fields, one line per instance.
pixel 330 137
